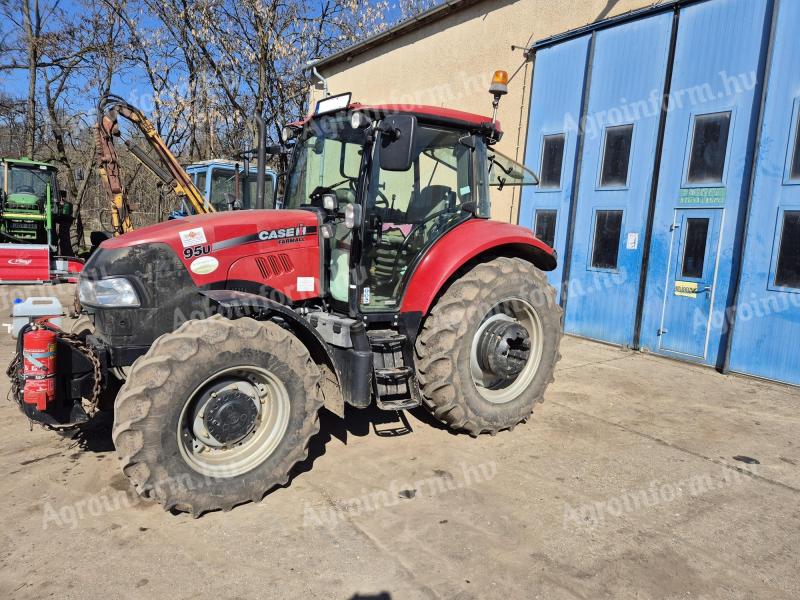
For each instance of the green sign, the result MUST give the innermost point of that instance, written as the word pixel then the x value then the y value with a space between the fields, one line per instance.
pixel 702 196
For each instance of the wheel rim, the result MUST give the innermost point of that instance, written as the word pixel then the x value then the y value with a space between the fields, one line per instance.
pixel 509 317
pixel 222 404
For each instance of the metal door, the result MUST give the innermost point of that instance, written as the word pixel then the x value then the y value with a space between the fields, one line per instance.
pixel 552 144
pixel 691 281
pixel 767 325
pixel 628 69
pixel 707 156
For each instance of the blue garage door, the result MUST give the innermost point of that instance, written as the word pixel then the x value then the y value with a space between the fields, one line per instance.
pixel 767 327
pixel 620 134
pixel 552 143
pixel 703 179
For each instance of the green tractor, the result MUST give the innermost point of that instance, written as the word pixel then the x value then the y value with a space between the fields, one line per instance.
pixel 32 209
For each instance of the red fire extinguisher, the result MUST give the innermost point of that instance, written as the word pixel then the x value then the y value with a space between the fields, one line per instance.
pixel 39 367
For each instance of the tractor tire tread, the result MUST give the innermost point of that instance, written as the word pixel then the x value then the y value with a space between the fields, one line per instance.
pixel 442 391
pixel 167 355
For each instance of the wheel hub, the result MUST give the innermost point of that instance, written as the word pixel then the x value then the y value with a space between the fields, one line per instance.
pixel 504 348
pixel 230 415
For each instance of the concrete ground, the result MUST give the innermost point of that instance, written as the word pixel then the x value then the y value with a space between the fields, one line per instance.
pixel 623 485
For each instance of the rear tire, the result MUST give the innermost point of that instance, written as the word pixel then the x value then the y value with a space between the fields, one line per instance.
pixel 159 415
pixel 506 292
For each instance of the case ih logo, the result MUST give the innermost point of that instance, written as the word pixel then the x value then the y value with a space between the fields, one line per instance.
pixel 279 234
pixel 20 262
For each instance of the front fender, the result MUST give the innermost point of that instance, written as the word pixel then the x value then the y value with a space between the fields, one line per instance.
pixel 233 305
pixel 463 244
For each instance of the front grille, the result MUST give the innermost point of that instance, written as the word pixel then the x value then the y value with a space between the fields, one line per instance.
pixel 22 225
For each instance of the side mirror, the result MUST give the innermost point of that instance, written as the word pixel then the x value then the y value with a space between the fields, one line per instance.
pixel 398 134
pixel 62 195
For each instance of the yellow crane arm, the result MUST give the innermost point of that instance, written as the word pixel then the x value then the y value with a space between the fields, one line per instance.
pixel 169 170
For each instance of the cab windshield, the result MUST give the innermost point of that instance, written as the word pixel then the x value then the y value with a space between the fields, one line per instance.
pixel 223 189
pixel 27 180
pixel 328 154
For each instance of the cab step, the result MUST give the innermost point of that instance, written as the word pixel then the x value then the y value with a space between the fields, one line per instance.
pixel 393 373
pixel 395 384
pixel 387 340
pixel 403 404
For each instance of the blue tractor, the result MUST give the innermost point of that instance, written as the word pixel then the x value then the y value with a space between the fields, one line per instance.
pixel 225 187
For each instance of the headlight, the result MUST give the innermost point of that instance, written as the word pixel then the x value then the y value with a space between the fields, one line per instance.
pixel 111 292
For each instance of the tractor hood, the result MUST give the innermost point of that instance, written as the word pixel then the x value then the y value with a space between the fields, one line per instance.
pixel 223 230
pixel 261 251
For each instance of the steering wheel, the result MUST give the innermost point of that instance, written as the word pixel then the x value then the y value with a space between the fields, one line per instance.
pixel 381 199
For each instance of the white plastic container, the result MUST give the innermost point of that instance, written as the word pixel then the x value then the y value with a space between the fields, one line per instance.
pixel 25 311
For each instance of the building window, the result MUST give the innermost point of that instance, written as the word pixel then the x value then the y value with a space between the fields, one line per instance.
pixel 616 156
pixel 794 174
pixel 694 249
pixel 607 231
pixel 552 162
pixel 709 148
pixel 545 226
pixel 788 272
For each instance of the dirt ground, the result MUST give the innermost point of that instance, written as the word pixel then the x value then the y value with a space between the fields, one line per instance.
pixel 636 478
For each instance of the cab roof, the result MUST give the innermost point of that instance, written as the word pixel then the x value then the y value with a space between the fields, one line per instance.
pixel 432 113
pixel 223 162
pixel 429 114
pixel 26 162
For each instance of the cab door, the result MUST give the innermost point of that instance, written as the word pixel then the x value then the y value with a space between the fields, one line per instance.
pixel 407 211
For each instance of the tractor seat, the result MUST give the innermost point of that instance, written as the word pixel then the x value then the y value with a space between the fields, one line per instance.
pixel 432 199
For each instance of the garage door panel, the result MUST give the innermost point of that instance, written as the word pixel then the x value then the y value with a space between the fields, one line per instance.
pixel 705 165
pixel 620 136
pixel 552 143
pixel 767 324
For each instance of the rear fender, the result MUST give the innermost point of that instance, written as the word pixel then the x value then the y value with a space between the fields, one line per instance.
pixel 464 244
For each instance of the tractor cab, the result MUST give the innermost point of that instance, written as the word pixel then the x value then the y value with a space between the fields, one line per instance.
pixel 390 181
pixel 225 185
pixel 29 200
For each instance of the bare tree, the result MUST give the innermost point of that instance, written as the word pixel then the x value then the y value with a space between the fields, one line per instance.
pixel 32 22
pixel 200 69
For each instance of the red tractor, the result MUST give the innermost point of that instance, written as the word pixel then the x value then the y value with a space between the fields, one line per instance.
pixel 379 278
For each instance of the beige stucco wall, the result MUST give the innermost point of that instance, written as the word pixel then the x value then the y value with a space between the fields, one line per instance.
pixel 450 63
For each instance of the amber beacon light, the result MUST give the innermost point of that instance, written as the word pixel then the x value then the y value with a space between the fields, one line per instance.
pixel 499 85
pixel 498 88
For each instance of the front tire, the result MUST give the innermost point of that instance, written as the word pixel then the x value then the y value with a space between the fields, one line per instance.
pixel 488 349
pixel 217 413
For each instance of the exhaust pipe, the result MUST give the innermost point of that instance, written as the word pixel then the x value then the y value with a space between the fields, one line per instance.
pixel 261 160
